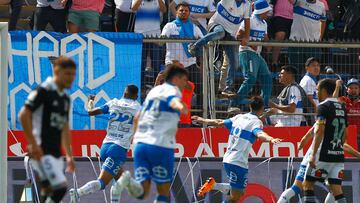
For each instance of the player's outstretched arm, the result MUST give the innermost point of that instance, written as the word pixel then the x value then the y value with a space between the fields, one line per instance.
pixel 319 136
pixel 34 149
pixel 267 138
pixel 211 122
pixel 349 149
pixel 178 105
pixel 304 140
pixel 66 143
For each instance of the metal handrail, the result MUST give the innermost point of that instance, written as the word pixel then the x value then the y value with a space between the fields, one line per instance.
pixel 327 44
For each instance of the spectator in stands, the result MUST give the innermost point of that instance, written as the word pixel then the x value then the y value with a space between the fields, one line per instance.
pixel 280 26
pixel 85 14
pixel 308 25
pixel 224 24
pixel 253 66
pixel 289 100
pixel 187 93
pixel 200 11
pixel 148 19
pixel 124 16
pixel 15 10
pixel 177 53
pixel 352 102
pixel 309 81
pixel 51 12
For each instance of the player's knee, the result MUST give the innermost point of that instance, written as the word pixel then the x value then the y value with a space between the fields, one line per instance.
pixel 58 194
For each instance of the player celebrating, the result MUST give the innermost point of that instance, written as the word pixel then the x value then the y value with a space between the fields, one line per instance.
pixel 329 137
pixel 155 137
pixel 116 143
pixel 44 119
pixel 244 129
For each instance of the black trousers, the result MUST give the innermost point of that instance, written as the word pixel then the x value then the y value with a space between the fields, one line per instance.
pixel 125 22
pixel 15 10
pixel 56 18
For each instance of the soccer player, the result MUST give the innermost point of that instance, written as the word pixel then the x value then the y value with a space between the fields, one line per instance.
pixel 44 118
pixel 330 136
pixel 116 143
pixel 155 137
pixel 296 188
pixel 244 130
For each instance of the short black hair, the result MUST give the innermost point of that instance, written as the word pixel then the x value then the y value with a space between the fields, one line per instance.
pixel 173 70
pixel 327 84
pixel 184 4
pixel 63 62
pixel 289 69
pixel 311 60
pixel 256 103
pixel 132 91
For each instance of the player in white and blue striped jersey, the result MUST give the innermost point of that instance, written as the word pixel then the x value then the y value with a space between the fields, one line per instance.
pixel 114 149
pixel 244 130
pixel 155 137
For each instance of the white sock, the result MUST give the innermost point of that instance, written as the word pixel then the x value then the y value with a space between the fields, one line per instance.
pixel 115 193
pixel 286 196
pixel 329 198
pixel 89 188
pixel 222 187
pixel 135 188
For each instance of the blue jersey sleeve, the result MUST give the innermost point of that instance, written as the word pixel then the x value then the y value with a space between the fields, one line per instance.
pixel 104 108
pixel 257 130
pixel 228 124
pixel 170 98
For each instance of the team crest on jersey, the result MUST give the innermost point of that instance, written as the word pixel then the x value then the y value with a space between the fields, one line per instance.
pixel 341 174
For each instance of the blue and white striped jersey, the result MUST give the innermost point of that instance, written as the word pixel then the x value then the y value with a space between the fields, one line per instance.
pixel 121 117
pixel 158 121
pixel 243 133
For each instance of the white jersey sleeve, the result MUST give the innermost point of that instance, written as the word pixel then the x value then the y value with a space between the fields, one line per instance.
pixel 294 96
pixel 308 85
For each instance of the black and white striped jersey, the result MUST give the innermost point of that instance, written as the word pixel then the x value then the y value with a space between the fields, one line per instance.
pixel 50 112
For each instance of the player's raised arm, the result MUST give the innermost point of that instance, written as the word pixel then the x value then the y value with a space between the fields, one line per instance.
pixel 95 111
pixel 211 122
pixel 66 143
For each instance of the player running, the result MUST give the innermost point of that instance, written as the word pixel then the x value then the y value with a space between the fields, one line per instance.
pixel 45 120
pixel 244 130
pixel 296 188
pixel 155 137
pixel 330 137
pixel 116 143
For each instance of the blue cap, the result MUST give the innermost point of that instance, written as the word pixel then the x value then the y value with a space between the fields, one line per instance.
pixel 352 81
pixel 261 6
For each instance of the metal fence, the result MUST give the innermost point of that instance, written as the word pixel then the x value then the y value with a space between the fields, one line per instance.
pixel 343 58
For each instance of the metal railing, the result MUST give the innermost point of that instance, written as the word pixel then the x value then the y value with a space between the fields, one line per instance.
pixel 343 56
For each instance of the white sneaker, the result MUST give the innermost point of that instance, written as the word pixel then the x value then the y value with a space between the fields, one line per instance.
pixel 74 196
pixel 124 180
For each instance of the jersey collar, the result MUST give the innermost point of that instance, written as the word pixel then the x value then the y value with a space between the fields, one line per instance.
pixel 312 77
pixel 54 86
pixel 333 99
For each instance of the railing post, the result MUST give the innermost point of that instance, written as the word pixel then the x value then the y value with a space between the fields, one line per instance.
pixel 211 77
pixel 205 70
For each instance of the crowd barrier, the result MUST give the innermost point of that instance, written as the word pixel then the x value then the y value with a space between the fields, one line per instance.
pixel 267 179
pixel 191 142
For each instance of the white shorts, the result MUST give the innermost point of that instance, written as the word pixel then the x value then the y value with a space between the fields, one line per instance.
pixel 51 170
pixel 332 172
